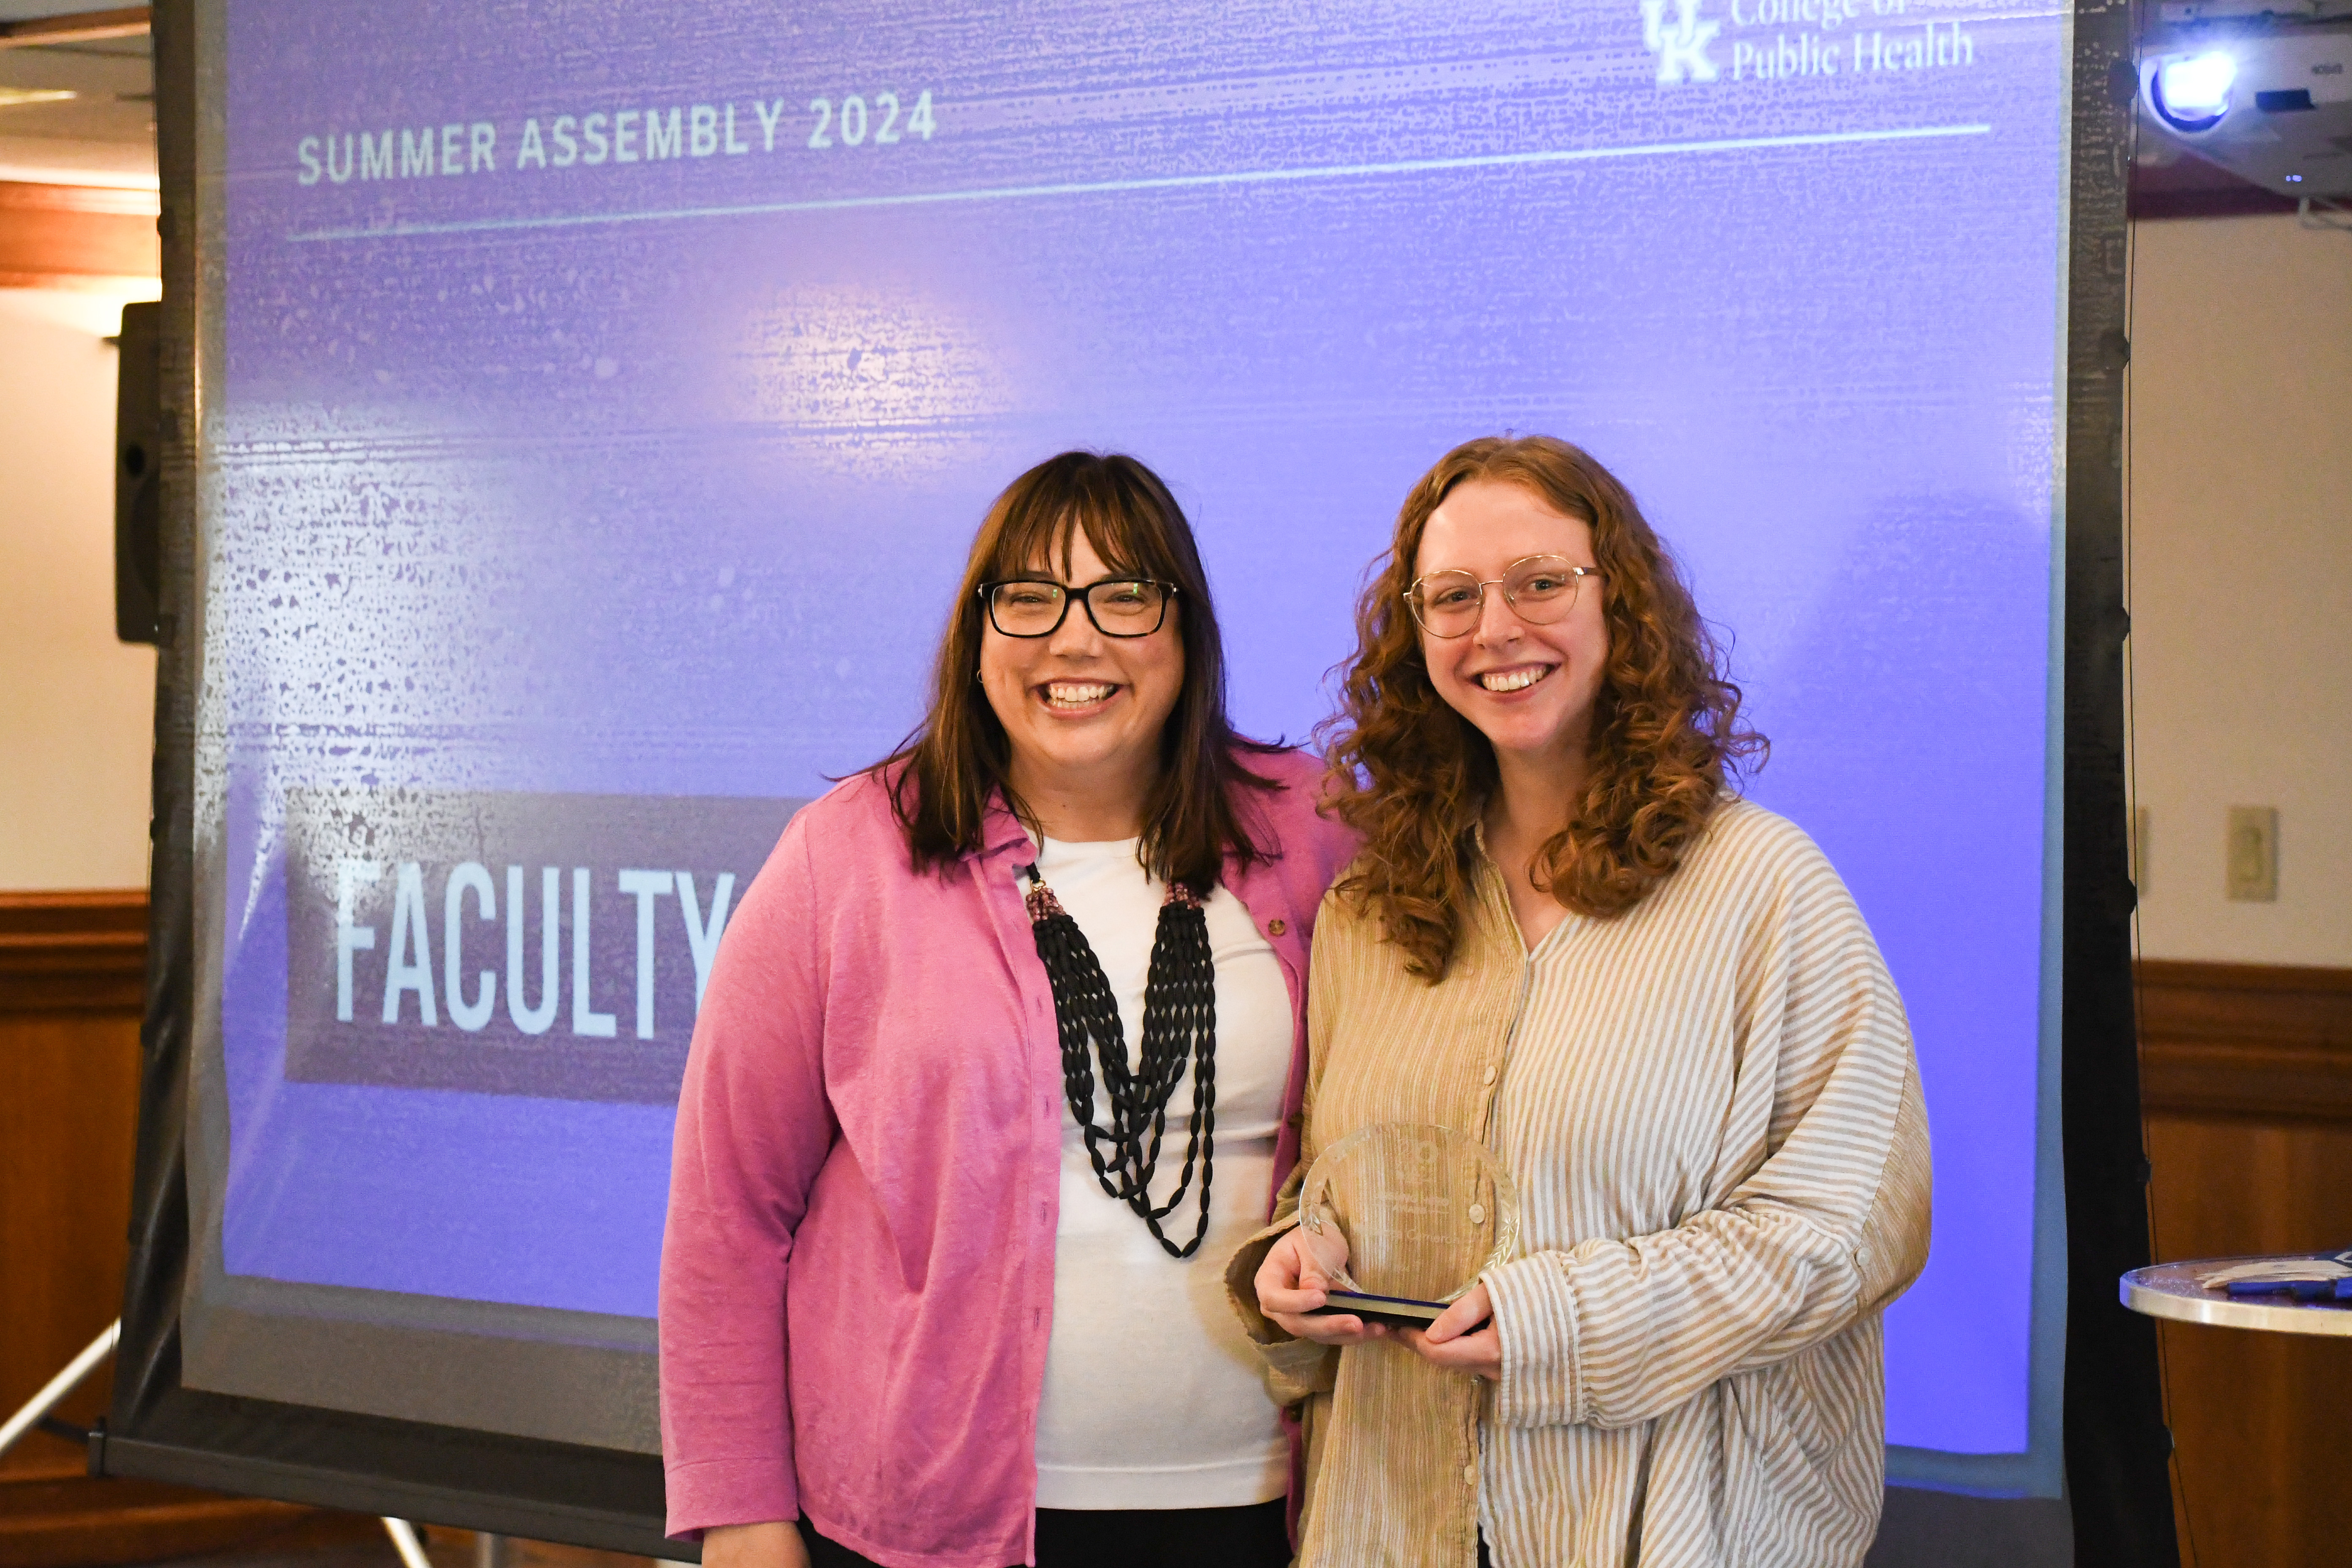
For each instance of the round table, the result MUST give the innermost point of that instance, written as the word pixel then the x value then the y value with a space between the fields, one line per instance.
pixel 2170 1290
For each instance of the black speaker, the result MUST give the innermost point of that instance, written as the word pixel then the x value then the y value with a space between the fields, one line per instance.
pixel 138 412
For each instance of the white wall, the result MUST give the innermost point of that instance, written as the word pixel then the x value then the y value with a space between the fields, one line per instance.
pixel 2241 580
pixel 75 706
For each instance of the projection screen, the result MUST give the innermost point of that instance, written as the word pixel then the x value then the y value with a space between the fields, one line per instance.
pixel 597 400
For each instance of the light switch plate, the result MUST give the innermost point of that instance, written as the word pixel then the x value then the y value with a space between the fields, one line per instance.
pixel 2253 855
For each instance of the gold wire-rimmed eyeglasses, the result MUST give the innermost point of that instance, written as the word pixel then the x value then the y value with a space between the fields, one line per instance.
pixel 1540 589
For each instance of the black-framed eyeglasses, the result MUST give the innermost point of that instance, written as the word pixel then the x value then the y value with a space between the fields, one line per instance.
pixel 1036 606
pixel 1540 588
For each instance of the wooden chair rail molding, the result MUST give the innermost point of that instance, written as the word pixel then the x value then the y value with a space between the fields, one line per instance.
pixel 74 952
pixel 2246 1040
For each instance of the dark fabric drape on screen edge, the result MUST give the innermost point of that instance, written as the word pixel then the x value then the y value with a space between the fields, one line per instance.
pixel 2116 1443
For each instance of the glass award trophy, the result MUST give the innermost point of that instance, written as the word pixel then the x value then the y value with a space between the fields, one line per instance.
pixel 1404 1218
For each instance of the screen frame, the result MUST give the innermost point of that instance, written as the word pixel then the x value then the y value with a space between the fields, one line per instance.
pixel 156 1429
pixel 2100 1404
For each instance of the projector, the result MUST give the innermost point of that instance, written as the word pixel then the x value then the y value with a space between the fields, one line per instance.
pixel 2263 88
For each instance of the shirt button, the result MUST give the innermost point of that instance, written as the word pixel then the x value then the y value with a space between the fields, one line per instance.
pixel 1470 1474
pixel 1486 1077
pixel 1477 1213
pixel 1277 926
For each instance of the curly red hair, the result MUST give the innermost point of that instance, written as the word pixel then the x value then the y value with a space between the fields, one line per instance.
pixel 1412 776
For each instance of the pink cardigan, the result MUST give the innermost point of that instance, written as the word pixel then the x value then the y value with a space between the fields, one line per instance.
pixel 857 1277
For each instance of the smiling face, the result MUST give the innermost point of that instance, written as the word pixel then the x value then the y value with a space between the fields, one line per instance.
pixel 1082 711
pixel 1530 689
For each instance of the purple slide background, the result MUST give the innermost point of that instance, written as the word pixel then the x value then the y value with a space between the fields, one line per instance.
pixel 512 497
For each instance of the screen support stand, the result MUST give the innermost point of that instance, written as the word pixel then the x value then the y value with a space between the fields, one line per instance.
pixel 405 1541
pixel 489 1551
pixel 35 1412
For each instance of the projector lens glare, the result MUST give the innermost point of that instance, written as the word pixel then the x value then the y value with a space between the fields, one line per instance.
pixel 2193 92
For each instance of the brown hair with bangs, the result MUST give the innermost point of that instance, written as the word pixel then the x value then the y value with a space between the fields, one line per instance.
pixel 942 777
pixel 1412 776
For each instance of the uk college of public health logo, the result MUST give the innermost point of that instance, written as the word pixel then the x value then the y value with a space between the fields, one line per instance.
pixel 1781 41
pixel 1681 43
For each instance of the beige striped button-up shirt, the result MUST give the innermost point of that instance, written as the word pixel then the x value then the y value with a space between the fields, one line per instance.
pixel 1711 1112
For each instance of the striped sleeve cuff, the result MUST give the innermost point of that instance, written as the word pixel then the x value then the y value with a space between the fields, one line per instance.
pixel 1295 1368
pixel 1241 1282
pixel 1535 1317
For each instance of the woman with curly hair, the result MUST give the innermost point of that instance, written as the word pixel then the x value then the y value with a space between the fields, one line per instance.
pixel 1657 1005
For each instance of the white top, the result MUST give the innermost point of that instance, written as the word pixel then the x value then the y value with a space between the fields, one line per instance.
pixel 1154 1397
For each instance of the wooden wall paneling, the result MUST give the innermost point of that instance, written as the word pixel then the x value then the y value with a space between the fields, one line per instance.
pixel 68 1100
pixel 72 984
pixel 77 1523
pixel 77 28
pixel 69 236
pixel 2247 1074
pixel 2236 1039
pixel 72 969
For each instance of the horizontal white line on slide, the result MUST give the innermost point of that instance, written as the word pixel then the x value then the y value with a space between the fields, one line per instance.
pixel 1151 182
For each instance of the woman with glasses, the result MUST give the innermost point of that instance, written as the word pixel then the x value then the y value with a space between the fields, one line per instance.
pixel 998 1062
pixel 1657 1006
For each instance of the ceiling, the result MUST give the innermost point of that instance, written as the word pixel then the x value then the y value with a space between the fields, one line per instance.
pixel 104 134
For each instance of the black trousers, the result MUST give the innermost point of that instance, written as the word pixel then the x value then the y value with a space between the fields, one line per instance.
pixel 1252 1537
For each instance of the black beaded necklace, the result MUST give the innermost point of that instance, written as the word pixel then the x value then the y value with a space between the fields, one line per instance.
pixel 1180 1026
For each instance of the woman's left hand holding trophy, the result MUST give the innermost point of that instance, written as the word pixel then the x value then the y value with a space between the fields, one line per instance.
pixel 1292 1283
